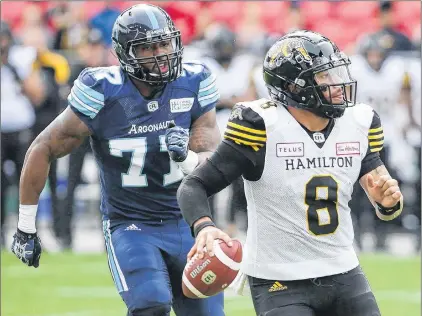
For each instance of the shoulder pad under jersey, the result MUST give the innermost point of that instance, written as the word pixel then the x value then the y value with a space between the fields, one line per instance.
pixel 93 87
pixel 247 123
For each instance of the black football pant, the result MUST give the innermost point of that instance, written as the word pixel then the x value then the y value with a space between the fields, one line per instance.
pixel 346 294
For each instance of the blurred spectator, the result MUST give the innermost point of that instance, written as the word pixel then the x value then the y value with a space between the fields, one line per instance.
pixel 202 21
pixel 231 67
pixel 92 53
pixel 257 81
pixel 68 20
pixel 250 27
pixel 55 72
pixel 32 17
pixel 416 38
pixel 295 20
pixel 184 16
pixel 104 21
pixel 395 40
pixel 383 83
pixel 21 88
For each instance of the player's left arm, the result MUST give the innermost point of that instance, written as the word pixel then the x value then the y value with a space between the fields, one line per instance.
pixel 189 149
pixel 204 135
pixel 382 190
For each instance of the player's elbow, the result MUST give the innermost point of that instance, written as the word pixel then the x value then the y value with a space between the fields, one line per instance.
pixel 188 188
pixel 38 149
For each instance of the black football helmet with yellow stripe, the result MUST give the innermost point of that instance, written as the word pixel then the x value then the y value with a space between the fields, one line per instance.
pixel 294 66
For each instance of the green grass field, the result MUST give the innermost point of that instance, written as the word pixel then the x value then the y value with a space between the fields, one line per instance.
pixel 80 285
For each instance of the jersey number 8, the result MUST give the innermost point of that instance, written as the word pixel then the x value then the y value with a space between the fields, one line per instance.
pixel 321 197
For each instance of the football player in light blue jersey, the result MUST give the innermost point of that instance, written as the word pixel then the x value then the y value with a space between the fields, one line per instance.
pixel 150 121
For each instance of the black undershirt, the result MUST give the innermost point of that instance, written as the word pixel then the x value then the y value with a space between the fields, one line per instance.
pixel 326 132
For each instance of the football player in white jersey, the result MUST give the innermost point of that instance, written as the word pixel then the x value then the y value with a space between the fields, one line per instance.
pixel 384 84
pixel 299 154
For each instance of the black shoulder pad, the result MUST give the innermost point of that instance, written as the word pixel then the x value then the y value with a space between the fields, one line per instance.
pixel 246 127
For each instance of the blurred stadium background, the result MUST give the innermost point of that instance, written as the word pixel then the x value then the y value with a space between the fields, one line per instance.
pixel 53 41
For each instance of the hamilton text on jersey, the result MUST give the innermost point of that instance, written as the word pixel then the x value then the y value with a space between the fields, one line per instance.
pixel 318 162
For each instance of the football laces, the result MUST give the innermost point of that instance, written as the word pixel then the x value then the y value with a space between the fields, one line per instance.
pixel 191 261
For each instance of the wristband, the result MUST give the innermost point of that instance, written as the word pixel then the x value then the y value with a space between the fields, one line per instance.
pixel 190 163
pixel 202 225
pixel 26 220
pixel 388 214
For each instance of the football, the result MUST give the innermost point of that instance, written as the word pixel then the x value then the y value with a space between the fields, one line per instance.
pixel 210 275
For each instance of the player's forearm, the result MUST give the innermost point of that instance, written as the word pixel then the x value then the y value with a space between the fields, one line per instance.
pixel 34 174
pixel 215 174
pixel 385 212
pixel 193 200
pixel 33 177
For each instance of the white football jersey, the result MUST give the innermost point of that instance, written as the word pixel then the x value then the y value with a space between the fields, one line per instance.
pixel 233 81
pixel 298 215
pixel 381 90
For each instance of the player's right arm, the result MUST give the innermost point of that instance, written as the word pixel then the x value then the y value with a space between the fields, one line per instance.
pixel 235 156
pixel 63 135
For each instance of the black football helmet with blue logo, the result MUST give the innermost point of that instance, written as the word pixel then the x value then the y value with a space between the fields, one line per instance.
pixel 146 24
pixel 293 65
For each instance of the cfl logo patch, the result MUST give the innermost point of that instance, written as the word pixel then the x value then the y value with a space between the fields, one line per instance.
pixel 152 106
pixel 208 277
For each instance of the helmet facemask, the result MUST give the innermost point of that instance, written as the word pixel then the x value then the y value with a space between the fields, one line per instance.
pixel 154 70
pixel 334 86
pixel 325 87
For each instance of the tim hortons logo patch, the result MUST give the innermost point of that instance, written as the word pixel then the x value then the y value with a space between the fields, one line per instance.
pixel 348 148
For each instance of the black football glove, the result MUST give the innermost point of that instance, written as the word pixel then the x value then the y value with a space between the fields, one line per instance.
pixel 27 248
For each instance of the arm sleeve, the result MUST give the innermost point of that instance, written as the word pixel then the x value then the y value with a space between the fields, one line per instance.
pixel 372 158
pixel 207 95
pixel 86 98
pixel 222 168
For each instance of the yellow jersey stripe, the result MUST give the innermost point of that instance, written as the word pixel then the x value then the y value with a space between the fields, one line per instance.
pixel 247 136
pixel 376 136
pixel 255 146
pixel 375 130
pixel 376 143
pixel 247 129
pixel 375 149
